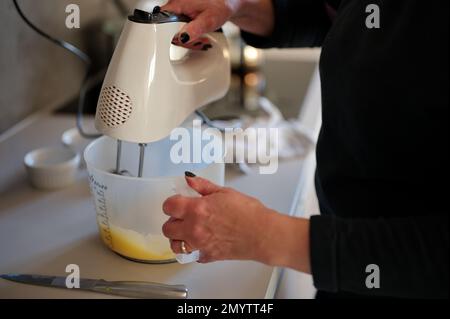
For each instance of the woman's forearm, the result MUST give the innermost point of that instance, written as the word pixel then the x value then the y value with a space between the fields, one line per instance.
pixel 286 243
pixel 255 16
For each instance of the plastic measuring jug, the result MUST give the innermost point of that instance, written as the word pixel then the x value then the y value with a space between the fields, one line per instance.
pixel 129 209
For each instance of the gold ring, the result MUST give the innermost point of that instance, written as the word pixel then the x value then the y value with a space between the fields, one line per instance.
pixel 183 248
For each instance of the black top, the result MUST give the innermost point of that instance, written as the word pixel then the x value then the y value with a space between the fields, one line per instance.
pixel 382 154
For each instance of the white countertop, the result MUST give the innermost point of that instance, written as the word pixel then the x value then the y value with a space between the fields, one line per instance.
pixel 42 232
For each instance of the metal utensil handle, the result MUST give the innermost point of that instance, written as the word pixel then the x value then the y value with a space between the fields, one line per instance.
pixel 145 290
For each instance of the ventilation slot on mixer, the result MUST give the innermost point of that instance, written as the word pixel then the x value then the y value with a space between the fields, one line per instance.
pixel 115 106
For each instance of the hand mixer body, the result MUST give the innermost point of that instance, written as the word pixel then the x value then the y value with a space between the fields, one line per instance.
pixel 146 94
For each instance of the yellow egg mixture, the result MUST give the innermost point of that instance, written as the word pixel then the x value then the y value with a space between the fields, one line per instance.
pixel 132 244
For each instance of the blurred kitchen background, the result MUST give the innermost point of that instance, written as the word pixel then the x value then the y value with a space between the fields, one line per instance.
pixel 36 74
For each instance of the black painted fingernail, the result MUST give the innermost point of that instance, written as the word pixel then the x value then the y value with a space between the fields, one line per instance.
pixel 157 10
pixel 189 174
pixel 184 37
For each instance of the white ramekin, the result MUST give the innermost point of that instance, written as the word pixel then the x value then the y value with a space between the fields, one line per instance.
pixel 52 168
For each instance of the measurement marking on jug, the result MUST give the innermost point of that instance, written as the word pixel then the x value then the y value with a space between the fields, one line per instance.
pixel 98 191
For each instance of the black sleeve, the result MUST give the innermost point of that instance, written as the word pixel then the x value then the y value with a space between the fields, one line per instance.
pixel 411 253
pixel 298 23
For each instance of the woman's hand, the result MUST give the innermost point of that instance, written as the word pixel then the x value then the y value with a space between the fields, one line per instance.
pixel 207 16
pixel 227 225
pixel 254 16
pixel 222 224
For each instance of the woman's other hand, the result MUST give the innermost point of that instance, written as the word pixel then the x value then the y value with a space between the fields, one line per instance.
pixel 254 16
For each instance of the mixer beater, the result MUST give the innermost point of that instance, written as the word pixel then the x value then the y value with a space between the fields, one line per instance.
pixel 119 171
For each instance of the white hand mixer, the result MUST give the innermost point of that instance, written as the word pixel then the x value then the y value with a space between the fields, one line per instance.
pixel 151 86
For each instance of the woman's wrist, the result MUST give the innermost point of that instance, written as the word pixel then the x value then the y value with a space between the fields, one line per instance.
pixel 255 16
pixel 285 242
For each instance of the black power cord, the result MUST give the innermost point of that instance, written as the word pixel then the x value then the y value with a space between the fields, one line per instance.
pixel 79 54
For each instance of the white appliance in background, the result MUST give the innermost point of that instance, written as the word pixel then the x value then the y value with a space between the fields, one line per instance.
pixel 288 73
pixel 293 284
